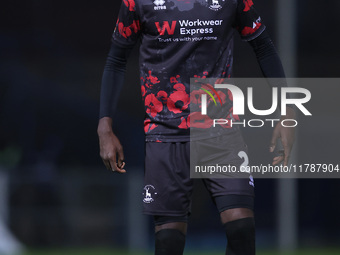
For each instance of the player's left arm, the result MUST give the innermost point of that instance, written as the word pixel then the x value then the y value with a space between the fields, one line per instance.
pixel 271 67
pixel 252 29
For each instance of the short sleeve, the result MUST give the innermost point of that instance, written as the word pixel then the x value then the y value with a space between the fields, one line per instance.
pixel 127 30
pixel 248 22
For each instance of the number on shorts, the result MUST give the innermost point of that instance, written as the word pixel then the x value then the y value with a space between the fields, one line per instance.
pixel 244 156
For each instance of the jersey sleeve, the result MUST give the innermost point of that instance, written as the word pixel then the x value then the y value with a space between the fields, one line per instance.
pixel 128 29
pixel 248 23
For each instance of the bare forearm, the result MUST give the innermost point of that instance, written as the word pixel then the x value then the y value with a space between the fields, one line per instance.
pixel 104 126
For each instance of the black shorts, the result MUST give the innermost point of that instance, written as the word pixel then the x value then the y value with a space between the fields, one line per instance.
pixel 168 186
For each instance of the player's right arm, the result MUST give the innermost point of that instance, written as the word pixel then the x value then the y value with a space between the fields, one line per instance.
pixel 125 36
pixel 111 150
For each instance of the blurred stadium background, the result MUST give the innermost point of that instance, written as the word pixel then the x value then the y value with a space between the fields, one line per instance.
pixel 56 197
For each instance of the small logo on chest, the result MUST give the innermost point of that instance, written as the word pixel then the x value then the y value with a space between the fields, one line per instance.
pixel 215 4
pixel 159 5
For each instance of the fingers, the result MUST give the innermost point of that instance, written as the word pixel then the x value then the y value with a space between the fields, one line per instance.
pixel 287 140
pixel 117 166
pixel 277 160
pixel 120 153
pixel 287 149
pixel 111 163
pixel 107 164
pixel 275 136
pixel 120 169
pixel 283 154
pixel 111 152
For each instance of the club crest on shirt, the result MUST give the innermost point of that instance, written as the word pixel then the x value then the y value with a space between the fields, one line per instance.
pixel 159 5
pixel 215 4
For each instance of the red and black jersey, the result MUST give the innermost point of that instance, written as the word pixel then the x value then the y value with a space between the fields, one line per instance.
pixel 181 39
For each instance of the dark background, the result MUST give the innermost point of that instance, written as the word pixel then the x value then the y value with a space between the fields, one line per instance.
pixel 52 54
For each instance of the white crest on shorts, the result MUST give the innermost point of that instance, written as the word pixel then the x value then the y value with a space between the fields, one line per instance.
pixel 148 192
pixel 251 181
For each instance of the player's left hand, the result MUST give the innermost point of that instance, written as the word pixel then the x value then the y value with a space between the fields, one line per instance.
pixel 287 136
